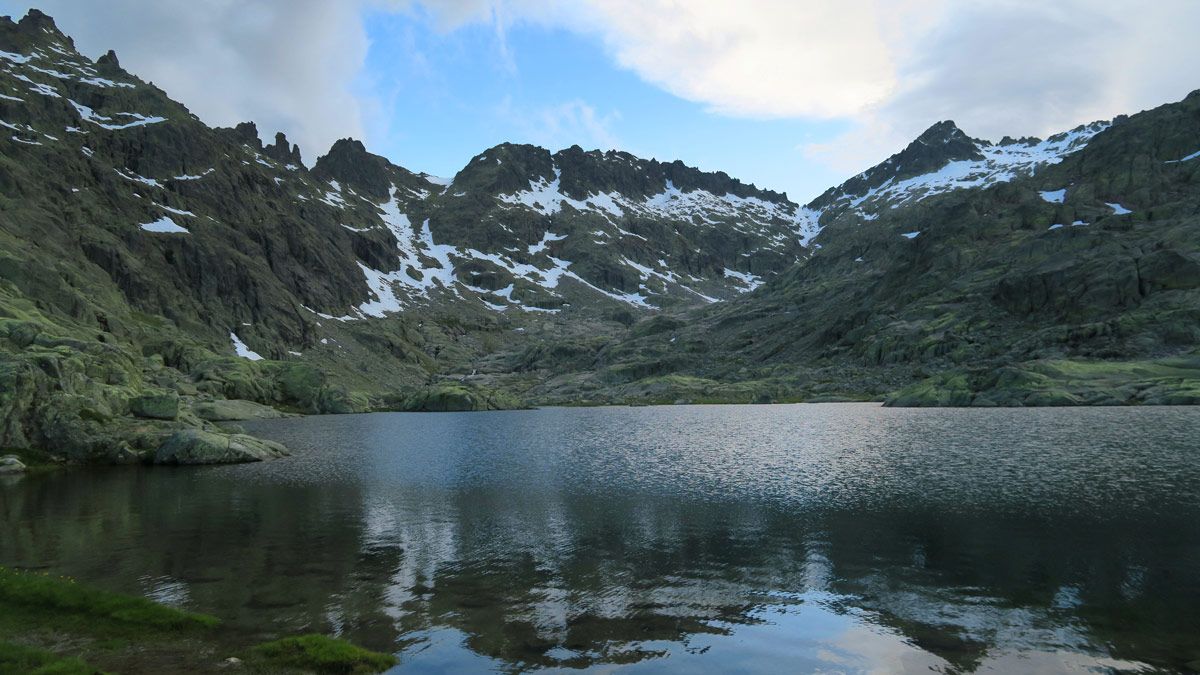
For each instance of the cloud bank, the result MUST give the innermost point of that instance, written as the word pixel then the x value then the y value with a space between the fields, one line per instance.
pixel 286 64
pixel 888 68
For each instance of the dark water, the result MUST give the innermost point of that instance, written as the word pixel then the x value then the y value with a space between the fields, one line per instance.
pixel 802 538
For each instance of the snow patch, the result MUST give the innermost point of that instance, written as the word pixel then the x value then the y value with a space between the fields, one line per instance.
pixel 1117 208
pixel 194 177
pixel 1189 158
pixel 1054 196
pixel 242 350
pixel 164 225
pixel 178 212
pixel 750 281
pixel 15 58
pixel 546 239
pixel 137 179
pixel 1000 164
pixel 110 123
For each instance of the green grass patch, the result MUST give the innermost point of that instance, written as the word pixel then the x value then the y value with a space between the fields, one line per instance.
pixel 50 599
pixel 320 654
pixel 15 658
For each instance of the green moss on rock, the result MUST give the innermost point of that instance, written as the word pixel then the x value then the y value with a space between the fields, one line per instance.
pixel 320 654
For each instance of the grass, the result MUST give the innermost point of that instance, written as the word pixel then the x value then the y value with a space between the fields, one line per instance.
pixel 319 654
pixel 17 658
pixel 121 631
pixel 53 598
pixel 1170 381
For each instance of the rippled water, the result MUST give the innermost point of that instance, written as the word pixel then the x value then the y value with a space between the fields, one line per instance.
pixel 790 538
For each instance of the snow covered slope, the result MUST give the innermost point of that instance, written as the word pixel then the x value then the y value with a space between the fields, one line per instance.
pixel 944 159
pixel 520 228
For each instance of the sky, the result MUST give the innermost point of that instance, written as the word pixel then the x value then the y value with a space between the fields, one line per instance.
pixel 791 95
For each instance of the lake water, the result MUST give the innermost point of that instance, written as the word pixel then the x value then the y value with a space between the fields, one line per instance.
pixel 780 538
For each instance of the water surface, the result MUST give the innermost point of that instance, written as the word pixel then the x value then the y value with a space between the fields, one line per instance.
pixel 783 538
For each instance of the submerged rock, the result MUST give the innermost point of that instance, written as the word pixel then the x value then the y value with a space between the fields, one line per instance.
pixel 192 446
pixel 11 464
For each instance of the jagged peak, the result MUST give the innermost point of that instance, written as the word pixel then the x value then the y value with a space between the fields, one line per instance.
pixel 109 59
pixel 346 146
pixel 34 29
pixel 37 20
pixel 348 162
pixel 247 132
pixel 282 152
pixel 941 132
pixel 508 168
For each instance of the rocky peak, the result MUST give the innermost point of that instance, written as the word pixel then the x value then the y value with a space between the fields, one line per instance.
pixel 349 163
pixel 506 168
pixel 34 29
pixel 247 133
pixel 109 60
pixel 689 178
pixel 280 151
pixel 936 147
pixel 510 168
pixel 585 173
pixel 36 21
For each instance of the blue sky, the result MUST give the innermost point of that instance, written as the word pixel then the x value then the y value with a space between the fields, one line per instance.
pixel 441 97
pixel 792 95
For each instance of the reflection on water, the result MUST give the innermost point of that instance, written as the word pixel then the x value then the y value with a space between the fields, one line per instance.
pixel 834 538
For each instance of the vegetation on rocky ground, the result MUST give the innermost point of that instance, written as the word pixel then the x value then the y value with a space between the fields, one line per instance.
pixel 319 654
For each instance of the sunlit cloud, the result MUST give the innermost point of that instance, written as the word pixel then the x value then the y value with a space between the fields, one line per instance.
pixel 888 68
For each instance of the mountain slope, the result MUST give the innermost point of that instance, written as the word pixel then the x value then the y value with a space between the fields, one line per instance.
pixel 151 266
pixel 144 254
pixel 1076 282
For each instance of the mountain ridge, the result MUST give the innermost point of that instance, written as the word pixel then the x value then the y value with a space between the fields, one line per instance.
pixel 152 266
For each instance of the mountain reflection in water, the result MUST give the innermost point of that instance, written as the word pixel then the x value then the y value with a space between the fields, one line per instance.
pixel 758 538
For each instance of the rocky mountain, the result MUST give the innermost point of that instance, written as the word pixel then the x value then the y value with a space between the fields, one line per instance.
pixel 944 159
pixel 201 263
pixel 959 272
pixel 160 279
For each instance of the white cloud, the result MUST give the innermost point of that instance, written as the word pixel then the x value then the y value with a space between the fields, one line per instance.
pixel 764 59
pixel 1021 67
pixel 286 65
pixel 888 67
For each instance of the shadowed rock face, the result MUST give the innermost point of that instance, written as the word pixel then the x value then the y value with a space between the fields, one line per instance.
pixel 349 163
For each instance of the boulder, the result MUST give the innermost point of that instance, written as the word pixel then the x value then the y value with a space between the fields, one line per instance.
pixel 11 464
pixel 192 446
pixel 156 406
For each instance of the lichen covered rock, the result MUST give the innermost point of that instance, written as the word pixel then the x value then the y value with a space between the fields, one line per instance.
pixel 192 446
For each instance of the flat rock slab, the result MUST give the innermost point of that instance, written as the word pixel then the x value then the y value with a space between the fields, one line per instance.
pixel 235 410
